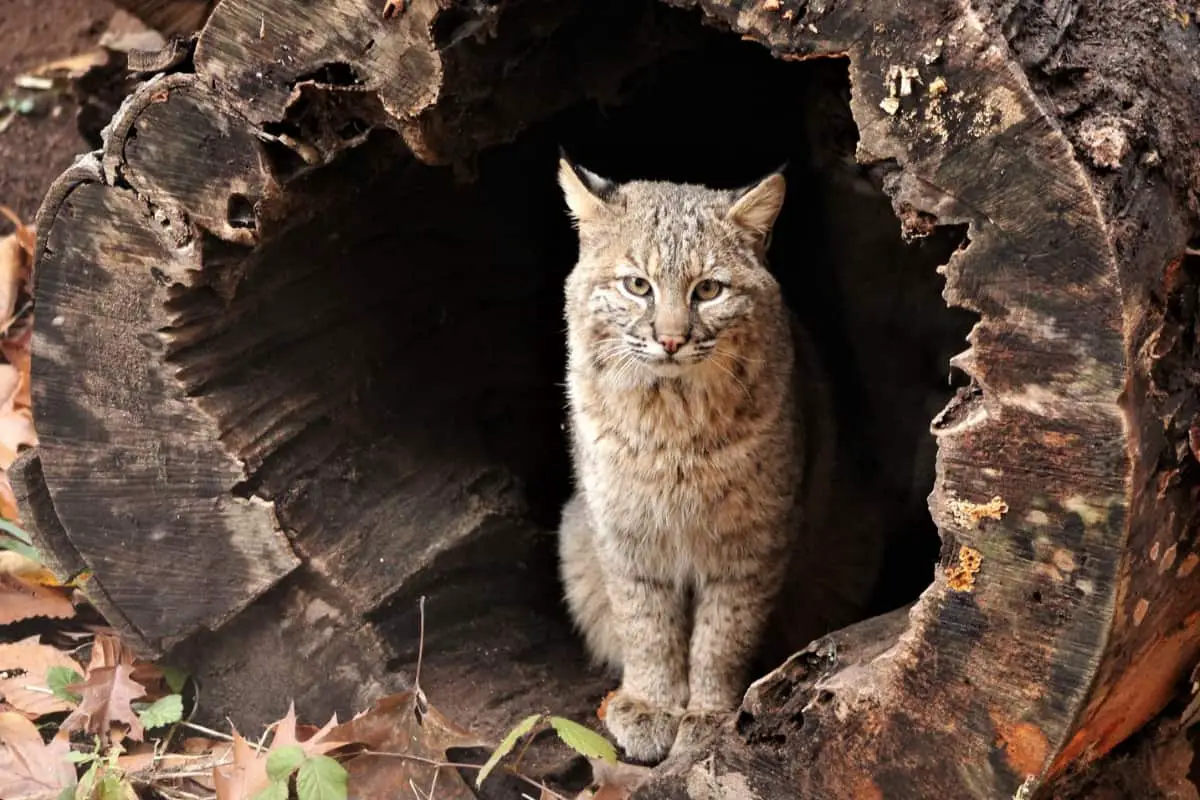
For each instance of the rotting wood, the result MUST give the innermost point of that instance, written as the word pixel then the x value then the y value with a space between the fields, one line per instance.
pixel 167 361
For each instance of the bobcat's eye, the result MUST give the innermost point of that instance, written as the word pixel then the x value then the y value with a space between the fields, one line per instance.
pixel 637 285
pixel 707 290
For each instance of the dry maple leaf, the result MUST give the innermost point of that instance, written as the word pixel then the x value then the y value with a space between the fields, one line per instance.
pixel 247 774
pixel 25 593
pixel 316 744
pixel 29 768
pixel 107 651
pixel 395 725
pixel 16 266
pixel 108 692
pixel 8 500
pixel 16 411
pixel 27 691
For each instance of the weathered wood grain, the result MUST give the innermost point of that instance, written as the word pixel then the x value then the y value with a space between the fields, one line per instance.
pixel 275 374
pixel 136 472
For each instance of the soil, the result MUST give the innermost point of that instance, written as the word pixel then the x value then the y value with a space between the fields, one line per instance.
pixel 35 148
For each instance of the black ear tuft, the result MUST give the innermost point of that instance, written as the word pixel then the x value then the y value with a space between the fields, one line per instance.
pixel 587 194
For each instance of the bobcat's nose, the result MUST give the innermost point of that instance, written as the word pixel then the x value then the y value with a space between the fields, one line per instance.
pixel 672 343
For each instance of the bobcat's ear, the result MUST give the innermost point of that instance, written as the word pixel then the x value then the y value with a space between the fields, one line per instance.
pixel 587 194
pixel 756 209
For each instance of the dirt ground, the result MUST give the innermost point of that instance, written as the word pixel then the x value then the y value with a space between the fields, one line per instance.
pixel 35 148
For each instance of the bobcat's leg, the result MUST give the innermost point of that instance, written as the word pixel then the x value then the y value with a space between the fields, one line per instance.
pixel 731 614
pixel 652 619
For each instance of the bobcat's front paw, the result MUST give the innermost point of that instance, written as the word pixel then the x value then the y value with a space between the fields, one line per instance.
pixel 698 727
pixel 645 732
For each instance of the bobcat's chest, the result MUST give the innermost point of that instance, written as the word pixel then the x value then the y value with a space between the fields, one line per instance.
pixel 677 468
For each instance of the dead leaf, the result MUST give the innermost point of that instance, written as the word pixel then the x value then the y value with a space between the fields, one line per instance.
pixel 197 754
pixel 396 726
pixel 27 692
pixel 107 651
pixel 247 774
pixel 71 66
pixel 315 744
pixel 26 569
pixel 107 696
pixel 24 594
pixel 8 500
pixel 12 258
pixel 24 233
pixel 16 408
pixel 140 757
pixel 29 768
pixel 152 679
pixel 108 692
pixel 16 265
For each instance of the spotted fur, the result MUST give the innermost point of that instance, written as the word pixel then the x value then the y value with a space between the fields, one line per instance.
pixel 687 464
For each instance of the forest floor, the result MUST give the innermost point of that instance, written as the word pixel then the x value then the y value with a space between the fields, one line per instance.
pixel 38 145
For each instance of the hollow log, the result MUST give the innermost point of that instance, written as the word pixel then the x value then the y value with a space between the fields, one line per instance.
pixel 298 351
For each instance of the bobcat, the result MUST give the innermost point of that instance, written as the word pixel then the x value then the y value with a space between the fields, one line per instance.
pixel 689 440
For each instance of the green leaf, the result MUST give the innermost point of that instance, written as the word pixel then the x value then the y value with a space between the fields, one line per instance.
pixel 175 677
pixel 505 747
pixel 274 791
pixel 59 678
pixel 76 757
pixel 20 548
pixel 113 786
pixel 321 778
pixel 68 793
pixel 583 740
pixel 283 762
pixel 12 530
pixel 163 711
pixel 88 781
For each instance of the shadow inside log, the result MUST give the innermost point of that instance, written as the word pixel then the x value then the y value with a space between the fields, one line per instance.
pixel 388 363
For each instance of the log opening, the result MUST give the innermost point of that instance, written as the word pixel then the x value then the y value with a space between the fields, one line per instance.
pixel 389 362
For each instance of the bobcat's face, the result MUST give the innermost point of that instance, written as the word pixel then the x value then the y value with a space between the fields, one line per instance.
pixel 670 278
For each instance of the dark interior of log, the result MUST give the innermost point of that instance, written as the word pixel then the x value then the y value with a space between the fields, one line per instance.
pixel 390 365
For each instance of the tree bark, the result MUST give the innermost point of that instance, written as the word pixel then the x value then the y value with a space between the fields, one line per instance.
pixel 259 365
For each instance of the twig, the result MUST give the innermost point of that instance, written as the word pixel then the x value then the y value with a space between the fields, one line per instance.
pixel 180 793
pixel 208 731
pixel 218 735
pixel 433 762
pixel 420 645
pixel 38 689
pixel 172 774
pixel 15 318
pixel 429 795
